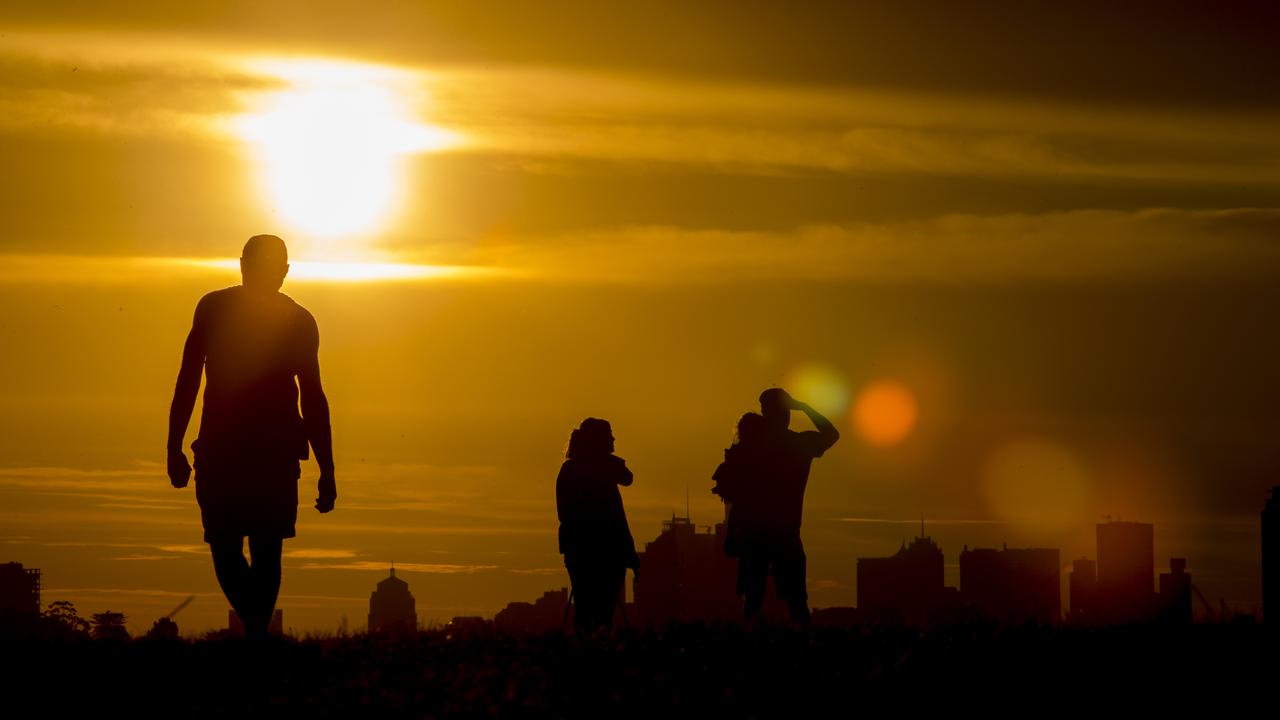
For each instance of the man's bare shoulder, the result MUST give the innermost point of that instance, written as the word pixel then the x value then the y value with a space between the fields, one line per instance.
pixel 217 295
pixel 303 323
pixel 302 317
pixel 215 299
pixel 297 307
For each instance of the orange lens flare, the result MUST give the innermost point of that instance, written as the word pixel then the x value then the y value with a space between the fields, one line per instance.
pixel 885 413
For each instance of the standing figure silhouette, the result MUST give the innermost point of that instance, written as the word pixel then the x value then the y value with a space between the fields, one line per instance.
pixel 770 536
pixel 257 349
pixel 595 538
pixel 738 483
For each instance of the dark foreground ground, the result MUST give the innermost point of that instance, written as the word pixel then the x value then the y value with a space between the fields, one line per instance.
pixel 688 670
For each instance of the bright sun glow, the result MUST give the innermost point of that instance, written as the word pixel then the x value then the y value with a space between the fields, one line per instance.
pixel 331 145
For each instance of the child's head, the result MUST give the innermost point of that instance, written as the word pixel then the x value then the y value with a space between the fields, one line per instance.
pixel 750 429
pixel 593 437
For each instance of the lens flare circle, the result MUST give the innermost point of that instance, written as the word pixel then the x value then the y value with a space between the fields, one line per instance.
pixel 885 413
pixel 822 386
pixel 1036 482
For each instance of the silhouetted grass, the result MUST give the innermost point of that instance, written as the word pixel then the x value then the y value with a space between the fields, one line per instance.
pixel 680 670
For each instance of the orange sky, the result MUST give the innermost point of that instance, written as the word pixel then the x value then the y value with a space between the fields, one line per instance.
pixel 1026 261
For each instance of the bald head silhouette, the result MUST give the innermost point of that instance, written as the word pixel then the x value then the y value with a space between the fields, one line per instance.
pixel 775 406
pixel 263 263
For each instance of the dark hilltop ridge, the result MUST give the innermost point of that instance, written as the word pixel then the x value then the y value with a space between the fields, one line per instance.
pixel 681 670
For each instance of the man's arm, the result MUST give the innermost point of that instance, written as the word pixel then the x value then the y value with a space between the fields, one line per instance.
pixel 827 433
pixel 184 399
pixel 315 418
pixel 622 473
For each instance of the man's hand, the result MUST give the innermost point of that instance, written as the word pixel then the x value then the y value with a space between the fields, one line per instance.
pixel 179 469
pixel 328 492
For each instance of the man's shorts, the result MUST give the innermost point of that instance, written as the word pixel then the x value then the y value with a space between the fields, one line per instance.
pixel 787 560
pixel 247 494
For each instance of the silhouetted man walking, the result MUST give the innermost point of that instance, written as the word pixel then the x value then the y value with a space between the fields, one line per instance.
pixel 252 341
pixel 776 489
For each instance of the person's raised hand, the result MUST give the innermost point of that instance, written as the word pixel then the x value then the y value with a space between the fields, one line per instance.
pixel 179 469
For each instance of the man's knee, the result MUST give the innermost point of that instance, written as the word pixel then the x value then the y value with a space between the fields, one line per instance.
pixel 227 550
pixel 266 551
pixel 753 574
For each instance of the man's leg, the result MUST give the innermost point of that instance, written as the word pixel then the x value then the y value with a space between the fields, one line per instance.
pixel 233 575
pixel 753 575
pixel 789 574
pixel 264 580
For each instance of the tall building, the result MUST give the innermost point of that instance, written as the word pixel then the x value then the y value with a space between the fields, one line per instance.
pixel 549 612
pixel 1126 571
pixel 1271 558
pixel 1083 591
pixel 391 605
pixel 19 589
pixel 685 576
pixel 1016 585
pixel 1175 592
pixel 906 586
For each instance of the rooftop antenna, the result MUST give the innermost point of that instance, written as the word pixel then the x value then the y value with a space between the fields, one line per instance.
pixel 686 501
pixel 393 568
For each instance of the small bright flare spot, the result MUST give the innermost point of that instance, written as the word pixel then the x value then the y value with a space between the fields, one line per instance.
pixel 331 145
pixel 885 413
pixel 822 386
pixel 1035 482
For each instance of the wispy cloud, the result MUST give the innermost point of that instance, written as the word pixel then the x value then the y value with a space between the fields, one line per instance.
pixel 123 270
pixel 916 521
pixel 428 568
pixel 146 592
pixel 185 549
pixel 147 85
pixel 1085 245
pixel 1075 245
pixel 319 554
pixel 144 476
pixel 445 530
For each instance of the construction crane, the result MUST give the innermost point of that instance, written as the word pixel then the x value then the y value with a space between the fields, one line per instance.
pixel 1208 609
pixel 181 606
pixel 165 628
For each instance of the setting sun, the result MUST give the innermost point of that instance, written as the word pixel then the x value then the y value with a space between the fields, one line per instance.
pixel 330 145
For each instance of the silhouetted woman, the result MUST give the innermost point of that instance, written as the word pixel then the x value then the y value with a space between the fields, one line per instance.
pixel 594 536
pixel 737 480
pixel 741 481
